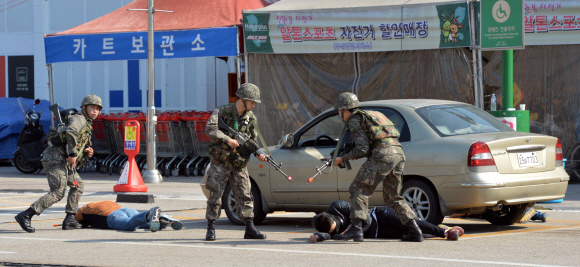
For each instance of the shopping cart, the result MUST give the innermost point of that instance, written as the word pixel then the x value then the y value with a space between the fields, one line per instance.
pixel 200 141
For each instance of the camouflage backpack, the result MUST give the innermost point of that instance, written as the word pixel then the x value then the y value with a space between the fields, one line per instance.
pixel 378 128
pixel 59 138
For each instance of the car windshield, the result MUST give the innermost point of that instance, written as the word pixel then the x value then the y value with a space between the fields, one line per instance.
pixel 449 120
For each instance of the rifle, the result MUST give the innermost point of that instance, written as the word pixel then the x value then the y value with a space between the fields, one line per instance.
pixel 341 152
pixel 251 147
pixel 61 126
pixel 60 129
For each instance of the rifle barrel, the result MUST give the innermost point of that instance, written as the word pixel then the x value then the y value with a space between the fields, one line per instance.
pixel 277 167
pixel 319 170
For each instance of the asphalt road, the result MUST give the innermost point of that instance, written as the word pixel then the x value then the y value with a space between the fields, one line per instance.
pixel 553 243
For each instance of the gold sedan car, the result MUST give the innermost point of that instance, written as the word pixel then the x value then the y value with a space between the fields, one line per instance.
pixel 459 160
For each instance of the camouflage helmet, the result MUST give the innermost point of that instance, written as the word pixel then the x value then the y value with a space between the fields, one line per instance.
pixel 346 101
pixel 249 91
pixel 92 100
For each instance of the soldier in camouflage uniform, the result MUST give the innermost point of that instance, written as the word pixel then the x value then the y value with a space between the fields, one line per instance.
pixel 375 138
pixel 227 165
pixel 59 161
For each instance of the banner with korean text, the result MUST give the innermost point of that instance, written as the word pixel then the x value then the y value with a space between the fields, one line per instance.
pixel 214 42
pixel 388 29
pixel 552 22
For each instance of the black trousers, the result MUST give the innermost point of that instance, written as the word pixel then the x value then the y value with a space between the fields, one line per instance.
pixel 389 226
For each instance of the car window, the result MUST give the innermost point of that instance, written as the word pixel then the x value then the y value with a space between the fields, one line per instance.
pixel 449 120
pixel 330 126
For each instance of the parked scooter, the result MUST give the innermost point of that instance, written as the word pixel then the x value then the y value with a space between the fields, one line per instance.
pixel 31 142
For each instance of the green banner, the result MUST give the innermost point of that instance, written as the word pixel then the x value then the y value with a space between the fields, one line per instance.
pixel 454 25
pixel 257 33
pixel 502 24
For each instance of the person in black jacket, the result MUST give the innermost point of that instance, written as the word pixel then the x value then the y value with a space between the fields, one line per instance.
pixel 381 222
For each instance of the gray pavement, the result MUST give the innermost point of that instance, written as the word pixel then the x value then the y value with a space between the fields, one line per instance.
pixel 533 244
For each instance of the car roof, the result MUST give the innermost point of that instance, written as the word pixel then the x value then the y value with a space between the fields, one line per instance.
pixel 412 103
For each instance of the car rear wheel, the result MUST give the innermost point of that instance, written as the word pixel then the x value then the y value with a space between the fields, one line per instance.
pixel 506 216
pixel 229 204
pixel 574 163
pixel 423 200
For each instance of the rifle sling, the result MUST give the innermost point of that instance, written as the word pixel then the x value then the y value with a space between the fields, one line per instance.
pixel 260 136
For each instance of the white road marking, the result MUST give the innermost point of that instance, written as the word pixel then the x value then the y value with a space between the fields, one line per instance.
pixel 284 251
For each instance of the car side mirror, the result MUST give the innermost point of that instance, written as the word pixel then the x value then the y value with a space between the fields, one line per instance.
pixel 288 140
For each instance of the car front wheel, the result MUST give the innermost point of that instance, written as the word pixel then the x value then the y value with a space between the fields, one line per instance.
pixel 229 204
pixel 423 200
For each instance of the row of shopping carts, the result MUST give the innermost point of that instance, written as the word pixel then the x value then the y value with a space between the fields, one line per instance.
pixel 181 143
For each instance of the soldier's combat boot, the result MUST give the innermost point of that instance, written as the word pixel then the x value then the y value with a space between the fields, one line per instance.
pixel 251 231
pixel 23 219
pixel 355 232
pixel 210 235
pixel 415 234
pixel 70 223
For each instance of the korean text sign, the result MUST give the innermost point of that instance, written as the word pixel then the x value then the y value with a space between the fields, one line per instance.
pixel 391 28
pixel 552 22
pixel 502 24
pixel 133 45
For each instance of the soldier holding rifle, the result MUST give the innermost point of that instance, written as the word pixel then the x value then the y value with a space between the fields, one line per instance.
pixel 67 145
pixel 376 138
pixel 228 164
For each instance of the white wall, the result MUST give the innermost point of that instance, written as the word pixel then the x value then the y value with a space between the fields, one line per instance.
pixel 185 84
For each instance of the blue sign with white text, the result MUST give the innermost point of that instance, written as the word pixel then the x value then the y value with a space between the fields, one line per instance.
pixel 215 42
pixel 131 145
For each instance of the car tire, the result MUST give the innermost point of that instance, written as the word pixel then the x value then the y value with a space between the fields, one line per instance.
pixel 574 164
pixel 423 200
pixel 228 203
pixel 507 216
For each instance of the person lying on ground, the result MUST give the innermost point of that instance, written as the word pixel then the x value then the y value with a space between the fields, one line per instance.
pixel 110 215
pixel 381 222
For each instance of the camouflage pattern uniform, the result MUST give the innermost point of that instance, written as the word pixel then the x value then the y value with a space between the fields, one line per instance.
pixel 376 138
pixel 78 136
pixel 226 163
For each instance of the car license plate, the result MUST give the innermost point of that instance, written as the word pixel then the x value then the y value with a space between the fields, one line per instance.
pixel 528 159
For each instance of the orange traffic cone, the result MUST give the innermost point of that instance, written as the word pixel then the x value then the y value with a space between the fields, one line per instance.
pixel 130 180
